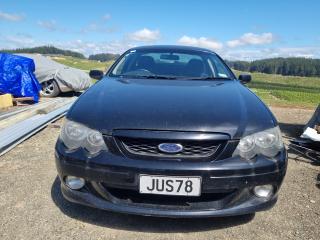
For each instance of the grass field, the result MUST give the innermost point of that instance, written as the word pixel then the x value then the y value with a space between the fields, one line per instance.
pixel 275 90
pixel 83 64
pixel 286 90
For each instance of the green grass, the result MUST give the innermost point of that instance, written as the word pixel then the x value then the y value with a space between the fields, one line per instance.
pixel 286 90
pixel 83 64
pixel 275 90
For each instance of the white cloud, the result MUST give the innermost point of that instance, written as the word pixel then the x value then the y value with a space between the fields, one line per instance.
pixel 87 47
pixel 253 54
pixel 50 25
pixel 106 17
pixel 145 35
pixel 247 52
pixel 20 40
pixel 11 17
pixel 16 41
pixel 200 42
pixel 99 26
pixel 94 27
pixel 251 39
pixel 307 52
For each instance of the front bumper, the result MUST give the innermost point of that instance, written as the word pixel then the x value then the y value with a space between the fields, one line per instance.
pixel 88 199
pixel 229 182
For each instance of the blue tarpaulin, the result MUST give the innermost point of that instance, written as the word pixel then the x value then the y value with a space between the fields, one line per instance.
pixel 17 76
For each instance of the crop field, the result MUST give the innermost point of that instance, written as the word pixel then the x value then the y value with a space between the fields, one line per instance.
pixel 274 90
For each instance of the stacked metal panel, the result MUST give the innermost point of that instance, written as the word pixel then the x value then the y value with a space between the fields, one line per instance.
pixel 13 135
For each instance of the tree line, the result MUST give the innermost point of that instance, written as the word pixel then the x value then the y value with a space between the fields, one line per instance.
pixel 45 50
pixel 285 66
pixel 104 57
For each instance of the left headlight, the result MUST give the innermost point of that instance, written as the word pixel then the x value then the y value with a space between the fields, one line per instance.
pixel 75 135
pixel 267 143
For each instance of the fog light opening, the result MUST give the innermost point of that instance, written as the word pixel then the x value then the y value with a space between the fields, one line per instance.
pixel 263 191
pixel 74 183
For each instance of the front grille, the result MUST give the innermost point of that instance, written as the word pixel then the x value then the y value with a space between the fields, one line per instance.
pixel 149 147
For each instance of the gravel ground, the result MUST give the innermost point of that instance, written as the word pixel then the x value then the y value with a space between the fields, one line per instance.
pixel 31 205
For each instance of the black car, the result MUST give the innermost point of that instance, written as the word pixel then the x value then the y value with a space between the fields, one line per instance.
pixel 170 131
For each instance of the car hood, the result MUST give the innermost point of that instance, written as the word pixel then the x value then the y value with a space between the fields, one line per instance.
pixel 172 105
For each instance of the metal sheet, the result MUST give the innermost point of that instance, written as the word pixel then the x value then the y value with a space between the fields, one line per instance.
pixel 17 133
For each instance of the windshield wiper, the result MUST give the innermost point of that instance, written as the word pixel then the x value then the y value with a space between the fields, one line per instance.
pixel 156 77
pixel 172 77
pixel 208 78
pixel 146 76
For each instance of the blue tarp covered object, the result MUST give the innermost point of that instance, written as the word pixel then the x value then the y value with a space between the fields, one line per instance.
pixel 17 78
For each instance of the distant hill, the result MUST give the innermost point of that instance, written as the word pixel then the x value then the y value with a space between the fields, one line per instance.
pixel 104 57
pixel 285 66
pixel 45 50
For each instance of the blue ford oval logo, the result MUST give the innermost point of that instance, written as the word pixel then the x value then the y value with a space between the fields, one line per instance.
pixel 170 147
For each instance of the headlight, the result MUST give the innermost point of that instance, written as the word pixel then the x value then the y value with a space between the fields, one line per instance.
pixel 75 135
pixel 267 143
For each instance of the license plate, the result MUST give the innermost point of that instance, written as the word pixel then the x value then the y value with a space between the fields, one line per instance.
pixel 169 185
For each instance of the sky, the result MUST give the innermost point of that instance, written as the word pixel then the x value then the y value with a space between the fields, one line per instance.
pixel 242 30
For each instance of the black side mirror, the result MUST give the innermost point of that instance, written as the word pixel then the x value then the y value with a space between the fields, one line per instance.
pixel 245 78
pixel 96 74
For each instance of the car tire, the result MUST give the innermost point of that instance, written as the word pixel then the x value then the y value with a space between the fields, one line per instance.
pixel 49 89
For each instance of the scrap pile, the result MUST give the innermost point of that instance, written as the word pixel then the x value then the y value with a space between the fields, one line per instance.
pixel 308 143
pixel 21 123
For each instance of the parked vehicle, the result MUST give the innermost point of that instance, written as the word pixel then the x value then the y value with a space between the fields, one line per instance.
pixel 56 78
pixel 170 131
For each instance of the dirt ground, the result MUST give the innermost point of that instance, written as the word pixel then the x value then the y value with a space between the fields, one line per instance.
pixel 31 205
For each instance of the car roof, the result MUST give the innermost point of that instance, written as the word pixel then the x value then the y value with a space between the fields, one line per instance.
pixel 172 48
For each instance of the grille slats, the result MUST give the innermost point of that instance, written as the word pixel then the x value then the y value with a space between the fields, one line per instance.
pixel 149 147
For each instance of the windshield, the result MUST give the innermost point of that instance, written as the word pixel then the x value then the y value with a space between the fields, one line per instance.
pixel 166 64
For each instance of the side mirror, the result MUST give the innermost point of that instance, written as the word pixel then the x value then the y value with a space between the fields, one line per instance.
pixel 96 74
pixel 244 78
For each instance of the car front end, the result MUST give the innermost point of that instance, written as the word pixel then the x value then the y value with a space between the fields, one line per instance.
pixel 171 148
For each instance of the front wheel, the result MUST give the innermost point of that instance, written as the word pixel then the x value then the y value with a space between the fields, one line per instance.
pixel 49 89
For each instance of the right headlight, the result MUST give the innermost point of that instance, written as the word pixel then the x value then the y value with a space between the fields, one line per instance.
pixel 75 135
pixel 267 143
